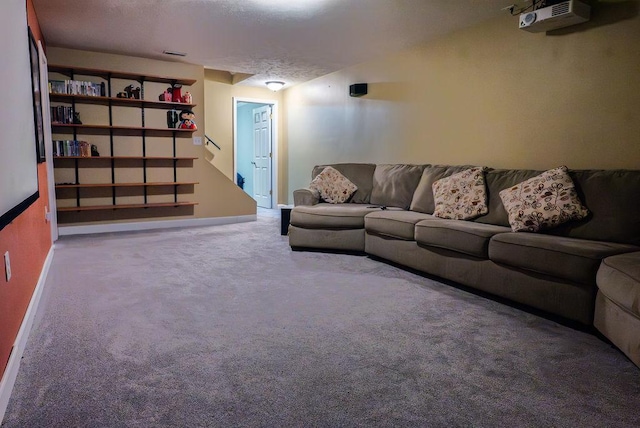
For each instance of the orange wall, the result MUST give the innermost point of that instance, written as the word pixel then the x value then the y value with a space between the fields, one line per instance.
pixel 28 240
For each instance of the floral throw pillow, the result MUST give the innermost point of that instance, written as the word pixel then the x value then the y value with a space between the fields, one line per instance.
pixel 333 187
pixel 543 202
pixel 461 196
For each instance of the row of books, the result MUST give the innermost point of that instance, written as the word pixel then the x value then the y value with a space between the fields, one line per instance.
pixel 77 87
pixel 61 114
pixel 71 148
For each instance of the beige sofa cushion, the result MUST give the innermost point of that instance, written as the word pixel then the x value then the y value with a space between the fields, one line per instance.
pixel 462 236
pixel 576 260
pixel 330 216
pixel 394 185
pixel 618 278
pixel 394 223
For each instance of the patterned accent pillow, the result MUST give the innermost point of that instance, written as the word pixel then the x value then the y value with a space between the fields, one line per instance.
pixel 543 202
pixel 333 187
pixel 461 196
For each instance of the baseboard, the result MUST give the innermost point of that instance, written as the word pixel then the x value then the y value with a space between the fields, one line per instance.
pixel 150 225
pixel 11 371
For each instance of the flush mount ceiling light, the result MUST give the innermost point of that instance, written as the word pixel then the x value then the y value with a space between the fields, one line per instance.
pixel 274 85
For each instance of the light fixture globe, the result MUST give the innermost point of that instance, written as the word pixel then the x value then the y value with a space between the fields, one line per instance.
pixel 274 85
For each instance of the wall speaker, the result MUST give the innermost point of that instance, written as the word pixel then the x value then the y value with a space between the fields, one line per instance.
pixel 358 89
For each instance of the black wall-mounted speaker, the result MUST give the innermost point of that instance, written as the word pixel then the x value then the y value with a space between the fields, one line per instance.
pixel 358 89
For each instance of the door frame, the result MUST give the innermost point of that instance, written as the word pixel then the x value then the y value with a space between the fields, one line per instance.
pixel 52 215
pixel 274 141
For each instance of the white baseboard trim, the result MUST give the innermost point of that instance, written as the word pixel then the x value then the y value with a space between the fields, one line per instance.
pixel 150 225
pixel 11 371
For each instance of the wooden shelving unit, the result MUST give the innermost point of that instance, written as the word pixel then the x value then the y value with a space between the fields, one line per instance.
pixel 77 166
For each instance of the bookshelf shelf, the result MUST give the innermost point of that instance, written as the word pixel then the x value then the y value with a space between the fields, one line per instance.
pixel 140 177
pixel 157 184
pixel 99 158
pixel 122 102
pixel 126 206
pixel 68 128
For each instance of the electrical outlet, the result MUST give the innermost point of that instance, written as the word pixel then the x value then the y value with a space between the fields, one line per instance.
pixel 7 266
pixel 197 141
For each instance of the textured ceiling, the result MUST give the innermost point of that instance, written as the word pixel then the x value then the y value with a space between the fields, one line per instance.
pixel 289 40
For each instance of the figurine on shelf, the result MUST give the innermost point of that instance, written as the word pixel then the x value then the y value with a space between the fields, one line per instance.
pixel 186 120
pixel 94 151
pixel 166 95
pixel 176 92
pixel 132 92
pixel 187 98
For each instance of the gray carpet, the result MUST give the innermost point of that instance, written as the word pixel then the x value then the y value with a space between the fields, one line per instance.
pixel 226 327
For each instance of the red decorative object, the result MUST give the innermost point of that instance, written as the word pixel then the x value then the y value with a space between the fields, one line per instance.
pixel 187 98
pixel 177 93
pixel 166 95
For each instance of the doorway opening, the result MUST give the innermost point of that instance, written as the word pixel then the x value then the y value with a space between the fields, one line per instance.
pixel 255 130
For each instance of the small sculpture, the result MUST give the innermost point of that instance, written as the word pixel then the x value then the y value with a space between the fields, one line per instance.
pixel 166 95
pixel 176 92
pixel 132 92
pixel 186 120
pixel 94 150
pixel 187 98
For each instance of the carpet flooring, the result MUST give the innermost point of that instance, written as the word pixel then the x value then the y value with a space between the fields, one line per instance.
pixel 225 326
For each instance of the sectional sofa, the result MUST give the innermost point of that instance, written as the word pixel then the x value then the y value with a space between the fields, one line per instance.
pixel 585 270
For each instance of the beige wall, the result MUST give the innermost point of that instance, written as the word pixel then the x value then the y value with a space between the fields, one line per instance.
pixel 219 95
pixel 490 95
pixel 216 195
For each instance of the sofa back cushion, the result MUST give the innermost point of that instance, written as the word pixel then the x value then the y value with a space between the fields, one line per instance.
pixel 360 174
pixel 422 200
pixel 497 180
pixel 394 185
pixel 611 196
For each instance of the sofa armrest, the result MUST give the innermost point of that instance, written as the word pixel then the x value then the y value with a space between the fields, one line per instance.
pixel 306 197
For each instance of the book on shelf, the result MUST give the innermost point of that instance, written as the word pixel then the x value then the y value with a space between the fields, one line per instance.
pixel 62 148
pixel 77 87
pixel 61 114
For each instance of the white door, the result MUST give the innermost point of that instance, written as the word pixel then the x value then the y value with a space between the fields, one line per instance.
pixel 262 156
